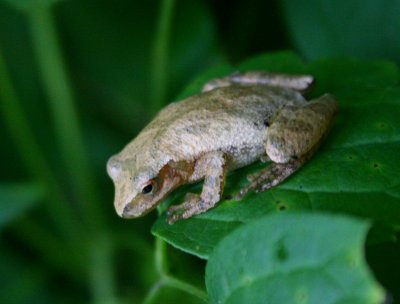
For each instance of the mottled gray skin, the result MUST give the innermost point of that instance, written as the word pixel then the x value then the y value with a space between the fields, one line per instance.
pixel 235 121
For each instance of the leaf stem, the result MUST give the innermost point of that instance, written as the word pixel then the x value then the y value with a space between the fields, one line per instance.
pixel 160 257
pixel 152 294
pixel 186 287
pixel 166 280
pixel 160 58
pixel 60 97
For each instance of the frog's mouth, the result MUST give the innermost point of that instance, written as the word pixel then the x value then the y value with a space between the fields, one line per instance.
pixel 137 208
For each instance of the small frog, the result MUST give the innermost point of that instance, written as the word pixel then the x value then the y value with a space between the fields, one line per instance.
pixel 235 121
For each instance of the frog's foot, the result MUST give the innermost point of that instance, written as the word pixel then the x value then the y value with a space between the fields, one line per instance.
pixel 301 83
pixel 192 205
pixel 270 177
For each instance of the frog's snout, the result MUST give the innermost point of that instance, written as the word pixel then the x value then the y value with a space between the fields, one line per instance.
pixel 113 167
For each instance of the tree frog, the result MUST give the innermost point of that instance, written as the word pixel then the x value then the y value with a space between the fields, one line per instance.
pixel 235 121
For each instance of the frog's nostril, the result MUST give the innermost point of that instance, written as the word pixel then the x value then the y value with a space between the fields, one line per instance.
pixel 125 212
pixel 128 212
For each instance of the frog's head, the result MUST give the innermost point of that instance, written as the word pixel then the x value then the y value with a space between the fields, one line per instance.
pixel 139 189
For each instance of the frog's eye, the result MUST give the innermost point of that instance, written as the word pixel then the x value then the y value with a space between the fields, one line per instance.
pixel 149 187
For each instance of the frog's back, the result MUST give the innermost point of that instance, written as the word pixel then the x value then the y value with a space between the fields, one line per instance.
pixel 227 118
pixel 238 101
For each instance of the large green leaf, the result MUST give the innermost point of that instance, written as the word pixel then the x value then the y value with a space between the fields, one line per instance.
pixel 362 28
pixel 356 171
pixel 293 258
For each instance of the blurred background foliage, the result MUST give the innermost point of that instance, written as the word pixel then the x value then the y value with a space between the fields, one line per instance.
pixel 78 79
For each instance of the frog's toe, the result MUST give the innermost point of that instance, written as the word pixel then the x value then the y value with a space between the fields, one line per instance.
pixel 189 197
pixel 175 213
pixel 173 217
pixel 173 209
pixel 252 177
pixel 238 196
pixel 192 205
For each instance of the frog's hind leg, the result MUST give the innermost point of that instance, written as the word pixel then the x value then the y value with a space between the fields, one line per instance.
pixel 301 83
pixel 269 177
pixel 293 137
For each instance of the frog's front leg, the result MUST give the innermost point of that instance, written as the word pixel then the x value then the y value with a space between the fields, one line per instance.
pixel 212 166
pixel 294 135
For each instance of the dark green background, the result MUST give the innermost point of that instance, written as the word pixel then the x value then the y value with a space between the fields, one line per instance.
pixel 122 64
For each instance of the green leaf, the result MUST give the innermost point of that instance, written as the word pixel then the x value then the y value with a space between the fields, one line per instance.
pixel 355 171
pixel 16 199
pixel 362 28
pixel 293 258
